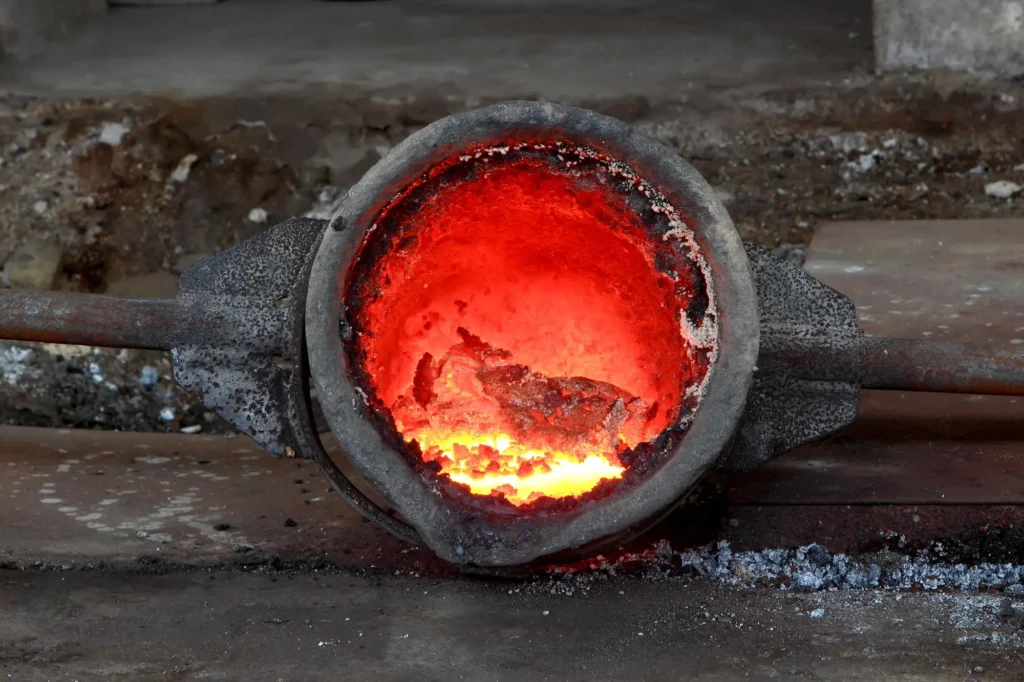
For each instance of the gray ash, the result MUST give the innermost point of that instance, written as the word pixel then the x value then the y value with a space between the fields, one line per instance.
pixel 807 569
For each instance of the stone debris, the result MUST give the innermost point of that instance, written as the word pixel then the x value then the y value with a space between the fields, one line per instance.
pixel 813 568
pixel 65 386
pixel 12 363
pixel 849 142
pixel 1002 189
pixel 184 168
pixel 257 216
pixel 864 163
pixel 112 133
pixel 149 376
pixel 34 265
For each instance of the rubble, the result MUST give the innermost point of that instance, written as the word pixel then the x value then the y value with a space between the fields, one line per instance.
pixel 257 216
pixel 12 363
pixel 863 163
pixel 184 168
pixel 1002 189
pixel 149 376
pixel 813 568
pixel 62 386
pixel 33 265
pixel 112 133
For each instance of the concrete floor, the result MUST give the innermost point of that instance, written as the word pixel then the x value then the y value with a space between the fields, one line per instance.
pixel 87 497
pixel 567 50
pixel 283 626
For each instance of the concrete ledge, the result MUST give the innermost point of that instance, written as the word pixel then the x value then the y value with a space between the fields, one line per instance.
pixel 26 25
pixel 985 35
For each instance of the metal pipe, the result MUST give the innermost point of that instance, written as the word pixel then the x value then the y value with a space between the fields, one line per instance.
pixel 908 365
pixel 899 364
pixel 89 319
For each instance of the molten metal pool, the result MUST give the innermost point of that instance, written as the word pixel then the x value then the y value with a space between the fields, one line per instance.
pixel 520 327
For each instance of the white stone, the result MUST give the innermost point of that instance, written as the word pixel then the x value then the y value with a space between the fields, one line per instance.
pixel 849 142
pixel 258 216
pixel 184 168
pixel 34 265
pixel 112 133
pixel 864 163
pixel 1002 189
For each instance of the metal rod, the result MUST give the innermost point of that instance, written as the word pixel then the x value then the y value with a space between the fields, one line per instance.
pixel 900 364
pixel 89 319
pixel 906 365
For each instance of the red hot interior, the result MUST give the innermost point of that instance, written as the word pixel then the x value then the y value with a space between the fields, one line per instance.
pixel 513 323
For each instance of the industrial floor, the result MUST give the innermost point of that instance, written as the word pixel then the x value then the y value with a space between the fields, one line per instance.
pixel 458 49
pixel 214 625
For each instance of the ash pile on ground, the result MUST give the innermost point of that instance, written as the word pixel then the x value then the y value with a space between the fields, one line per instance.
pixel 805 569
pixel 51 385
pixel 132 192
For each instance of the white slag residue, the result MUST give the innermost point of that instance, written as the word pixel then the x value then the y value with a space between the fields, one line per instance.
pixel 1002 189
pixel 258 216
pixel 184 168
pixel 113 132
pixel 11 363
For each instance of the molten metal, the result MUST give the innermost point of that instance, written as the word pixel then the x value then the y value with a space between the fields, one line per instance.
pixel 498 427
pixel 517 330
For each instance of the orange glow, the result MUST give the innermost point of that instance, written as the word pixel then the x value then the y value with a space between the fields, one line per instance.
pixel 517 330
pixel 498 427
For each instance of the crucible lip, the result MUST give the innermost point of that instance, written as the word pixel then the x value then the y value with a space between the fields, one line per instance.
pixel 454 532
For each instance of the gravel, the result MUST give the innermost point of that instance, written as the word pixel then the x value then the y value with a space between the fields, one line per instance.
pixel 811 568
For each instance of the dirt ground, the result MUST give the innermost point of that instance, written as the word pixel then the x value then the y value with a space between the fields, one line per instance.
pixel 134 191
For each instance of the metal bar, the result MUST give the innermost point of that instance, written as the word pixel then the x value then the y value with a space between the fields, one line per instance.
pixel 89 319
pixel 906 365
pixel 899 364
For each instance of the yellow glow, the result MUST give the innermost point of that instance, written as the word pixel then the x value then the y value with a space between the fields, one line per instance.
pixel 566 479
pixel 495 463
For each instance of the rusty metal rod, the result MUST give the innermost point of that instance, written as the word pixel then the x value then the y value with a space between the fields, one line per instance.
pixel 89 319
pixel 901 365
pixel 906 365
